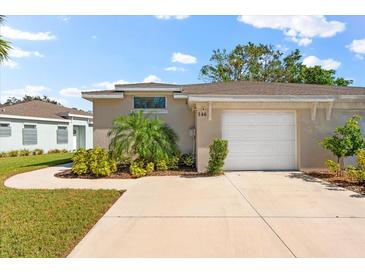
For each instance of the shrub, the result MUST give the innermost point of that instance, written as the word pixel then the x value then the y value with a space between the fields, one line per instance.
pixel 161 165
pixel 80 165
pixel 218 151
pixel 99 162
pixel 150 167
pixel 173 162
pixel 188 159
pixel 38 151
pixel 24 152
pixel 136 136
pixel 3 154
pixel 52 151
pixel 13 153
pixel 136 170
pixel 358 173
pixel 332 166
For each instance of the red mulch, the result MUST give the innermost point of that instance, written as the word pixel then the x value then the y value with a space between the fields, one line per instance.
pixel 124 174
pixel 340 181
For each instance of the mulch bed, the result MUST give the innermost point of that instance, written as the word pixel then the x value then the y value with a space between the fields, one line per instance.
pixel 124 174
pixel 341 181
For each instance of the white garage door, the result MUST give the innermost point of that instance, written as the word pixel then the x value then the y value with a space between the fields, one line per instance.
pixel 259 140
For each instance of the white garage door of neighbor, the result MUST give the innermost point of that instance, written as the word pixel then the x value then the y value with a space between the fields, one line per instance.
pixel 259 140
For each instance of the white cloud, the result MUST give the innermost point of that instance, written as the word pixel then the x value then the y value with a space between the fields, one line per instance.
pixel 19 53
pixel 27 90
pixel 10 64
pixel 11 33
pixel 109 85
pixel 358 47
pixel 312 61
pixel 178 57
pixel 65 19
pixel 93 37
pixel 168 17
pixel 174 68
pixel 71 92
pixel 299 29
pixel 152 78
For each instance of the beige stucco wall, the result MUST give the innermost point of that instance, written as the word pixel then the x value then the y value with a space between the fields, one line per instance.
pixel 179 116
pixel 309 133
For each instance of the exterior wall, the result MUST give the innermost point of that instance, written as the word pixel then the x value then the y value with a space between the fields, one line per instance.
pixel 309 133
pixel 179 117
pixel 312 155
pixel 46 133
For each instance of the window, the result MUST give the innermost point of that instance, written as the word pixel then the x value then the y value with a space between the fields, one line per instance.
pixel 150 102
pixel 5 130
pixel 62 135
pixel 30 135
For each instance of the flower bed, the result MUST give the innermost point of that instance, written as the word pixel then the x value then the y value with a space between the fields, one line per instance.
pixel 340 181
pixel 125 174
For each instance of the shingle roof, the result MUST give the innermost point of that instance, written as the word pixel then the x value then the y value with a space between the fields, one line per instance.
pixel 248 88
pixel 147 85
pixel 40 109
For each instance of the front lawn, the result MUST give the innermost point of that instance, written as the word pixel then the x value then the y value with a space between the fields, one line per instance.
pixel 45 223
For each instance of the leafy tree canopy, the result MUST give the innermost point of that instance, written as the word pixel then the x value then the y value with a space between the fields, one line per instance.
pixel 27 98
pixel 267 64
pixel 347 140
pixel 4 45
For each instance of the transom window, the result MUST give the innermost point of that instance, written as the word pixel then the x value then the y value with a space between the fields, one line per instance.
pixel 149 102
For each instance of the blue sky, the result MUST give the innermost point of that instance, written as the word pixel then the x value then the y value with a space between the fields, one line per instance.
pixel 60 55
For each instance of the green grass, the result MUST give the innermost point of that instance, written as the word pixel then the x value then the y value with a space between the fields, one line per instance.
pixel 45 223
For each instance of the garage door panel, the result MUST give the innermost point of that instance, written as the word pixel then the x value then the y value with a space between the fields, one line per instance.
pixel 265 148
pixel 257 118
pixel 259 132
pixel 259 140
pixel 260 163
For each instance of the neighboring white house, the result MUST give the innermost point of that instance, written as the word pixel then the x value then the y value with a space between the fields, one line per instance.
pixel 36 124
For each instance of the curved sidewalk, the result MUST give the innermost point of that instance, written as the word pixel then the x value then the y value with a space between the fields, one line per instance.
pixel 45 179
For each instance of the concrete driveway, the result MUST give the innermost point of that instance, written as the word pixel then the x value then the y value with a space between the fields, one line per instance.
pixel 240 214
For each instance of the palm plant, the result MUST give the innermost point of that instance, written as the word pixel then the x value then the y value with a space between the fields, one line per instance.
pixel 4 45
pixel 138 137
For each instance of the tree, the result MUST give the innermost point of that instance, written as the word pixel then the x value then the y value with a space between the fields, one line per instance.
pixel 4 45
pixel 267 64
pixel 138 137
pixel 27 98
pixel 347 140
pixel 317 75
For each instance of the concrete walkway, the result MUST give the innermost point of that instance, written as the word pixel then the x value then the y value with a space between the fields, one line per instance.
pixel 240 214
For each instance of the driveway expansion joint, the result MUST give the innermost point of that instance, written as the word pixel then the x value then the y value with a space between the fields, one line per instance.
pixel 260 216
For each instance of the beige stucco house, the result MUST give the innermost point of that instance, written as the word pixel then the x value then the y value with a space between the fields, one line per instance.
pixel 269 126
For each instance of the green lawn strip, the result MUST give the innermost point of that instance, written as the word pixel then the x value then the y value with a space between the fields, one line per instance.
pixel 46 223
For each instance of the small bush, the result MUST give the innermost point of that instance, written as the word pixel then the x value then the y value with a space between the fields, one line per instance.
pixel 218 151
pixel 38 151
pixel 3 154
pixel 150 167
pixel 13 153
pixel 358 173
pixel 52 151
pixel 136 170
pixel 187 159
pixel 24 152
pixel 173 162
pixel 80 165
pixel 99 162
pixel 332 166
pixel 161 165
